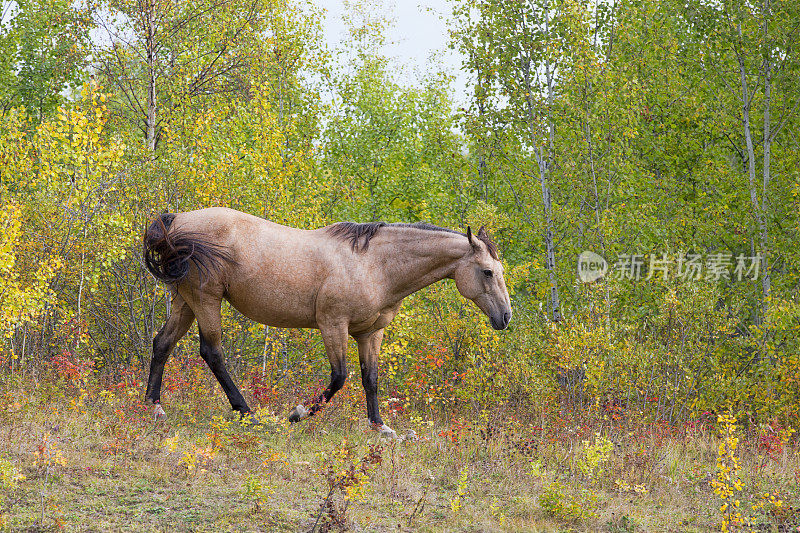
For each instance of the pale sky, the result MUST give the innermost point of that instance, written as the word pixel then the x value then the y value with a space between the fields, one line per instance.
pixel 417 39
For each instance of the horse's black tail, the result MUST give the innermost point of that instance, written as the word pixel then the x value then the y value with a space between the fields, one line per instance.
pixel 167 254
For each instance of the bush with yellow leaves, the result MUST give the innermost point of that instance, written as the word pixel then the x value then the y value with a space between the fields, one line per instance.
pixel 726 483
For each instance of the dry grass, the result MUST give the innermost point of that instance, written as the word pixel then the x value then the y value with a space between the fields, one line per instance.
pixel 101 464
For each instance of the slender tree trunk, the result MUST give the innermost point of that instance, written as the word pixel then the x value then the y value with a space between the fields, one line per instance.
pixel 597 207
pixel 152 102
pixel 481 158
pixel 545 166
pixel 482 176
pixel 550 264
pixel 22 355
pixel 267 346
pixel 751 171
pixel 544 161
pixel 766 279
pixel 597 217
pixel 80 298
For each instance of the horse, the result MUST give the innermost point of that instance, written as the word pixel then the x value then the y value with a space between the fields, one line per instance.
pixel 344 279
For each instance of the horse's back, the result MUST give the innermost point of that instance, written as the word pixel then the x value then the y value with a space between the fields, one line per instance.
pixel 276 270
pixel 223 223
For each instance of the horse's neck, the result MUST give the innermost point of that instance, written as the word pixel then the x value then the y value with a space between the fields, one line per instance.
pixel 418 258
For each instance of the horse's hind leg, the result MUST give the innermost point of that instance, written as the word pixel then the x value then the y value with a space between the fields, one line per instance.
pixel 178 323
pixel 209 321
pixel 335 339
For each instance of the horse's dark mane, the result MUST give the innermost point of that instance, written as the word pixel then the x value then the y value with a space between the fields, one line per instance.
pixel 359 234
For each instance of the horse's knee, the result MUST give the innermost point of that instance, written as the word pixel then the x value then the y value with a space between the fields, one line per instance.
pixel 337 380
pixel 369 379
pixel 370 386
pixel 161 347
pixel 208 351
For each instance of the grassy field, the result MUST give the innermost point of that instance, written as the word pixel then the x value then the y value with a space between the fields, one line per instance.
pixel 93 460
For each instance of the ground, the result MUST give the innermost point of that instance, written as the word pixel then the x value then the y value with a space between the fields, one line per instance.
pixel 97 461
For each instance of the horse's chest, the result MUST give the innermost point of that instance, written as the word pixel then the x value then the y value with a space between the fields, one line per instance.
pixel 384 319
pixel 375 321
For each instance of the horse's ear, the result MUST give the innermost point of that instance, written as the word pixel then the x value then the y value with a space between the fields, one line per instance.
pixel 482 233
pixel 472 242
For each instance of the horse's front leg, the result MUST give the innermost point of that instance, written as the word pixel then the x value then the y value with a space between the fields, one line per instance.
pixel 369 346
pixel 335 338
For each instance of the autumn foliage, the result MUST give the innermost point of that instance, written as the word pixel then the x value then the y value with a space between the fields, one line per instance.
pixel 651 129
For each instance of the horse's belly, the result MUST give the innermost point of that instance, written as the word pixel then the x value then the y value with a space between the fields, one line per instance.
pixel 275 306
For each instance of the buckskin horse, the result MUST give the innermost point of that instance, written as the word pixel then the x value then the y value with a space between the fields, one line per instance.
pixel 343 279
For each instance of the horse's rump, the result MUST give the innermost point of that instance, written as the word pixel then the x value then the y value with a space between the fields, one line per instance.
pixel 169 252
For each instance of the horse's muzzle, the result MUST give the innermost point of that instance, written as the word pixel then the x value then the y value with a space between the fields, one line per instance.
pixel 501 322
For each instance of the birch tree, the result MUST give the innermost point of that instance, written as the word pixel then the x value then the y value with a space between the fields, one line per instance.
pixel 515 51
pixel 158 55
pixel 43 46
pixel 751 51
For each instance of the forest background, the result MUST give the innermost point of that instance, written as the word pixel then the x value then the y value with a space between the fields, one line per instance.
pixel 661 135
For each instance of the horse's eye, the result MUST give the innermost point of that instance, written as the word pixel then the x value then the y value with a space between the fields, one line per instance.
pixel 488 273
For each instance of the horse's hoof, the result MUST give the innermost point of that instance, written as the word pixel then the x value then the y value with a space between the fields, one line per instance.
pixel 386 432
pixel 298 414
pixel 411 435
pixel 249 419
pixel 158 413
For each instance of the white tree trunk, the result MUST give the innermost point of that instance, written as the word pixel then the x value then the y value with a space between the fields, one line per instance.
pixel 152 102
pixel 766 279
pixel 545 166
pixel 751 171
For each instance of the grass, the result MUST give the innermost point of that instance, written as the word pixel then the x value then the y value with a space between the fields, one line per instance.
pixel 82 461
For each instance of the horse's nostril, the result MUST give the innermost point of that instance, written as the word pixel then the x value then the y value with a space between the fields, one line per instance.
pixel 506 318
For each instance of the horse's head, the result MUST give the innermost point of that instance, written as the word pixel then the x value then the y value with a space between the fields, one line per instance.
pixel 479 277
